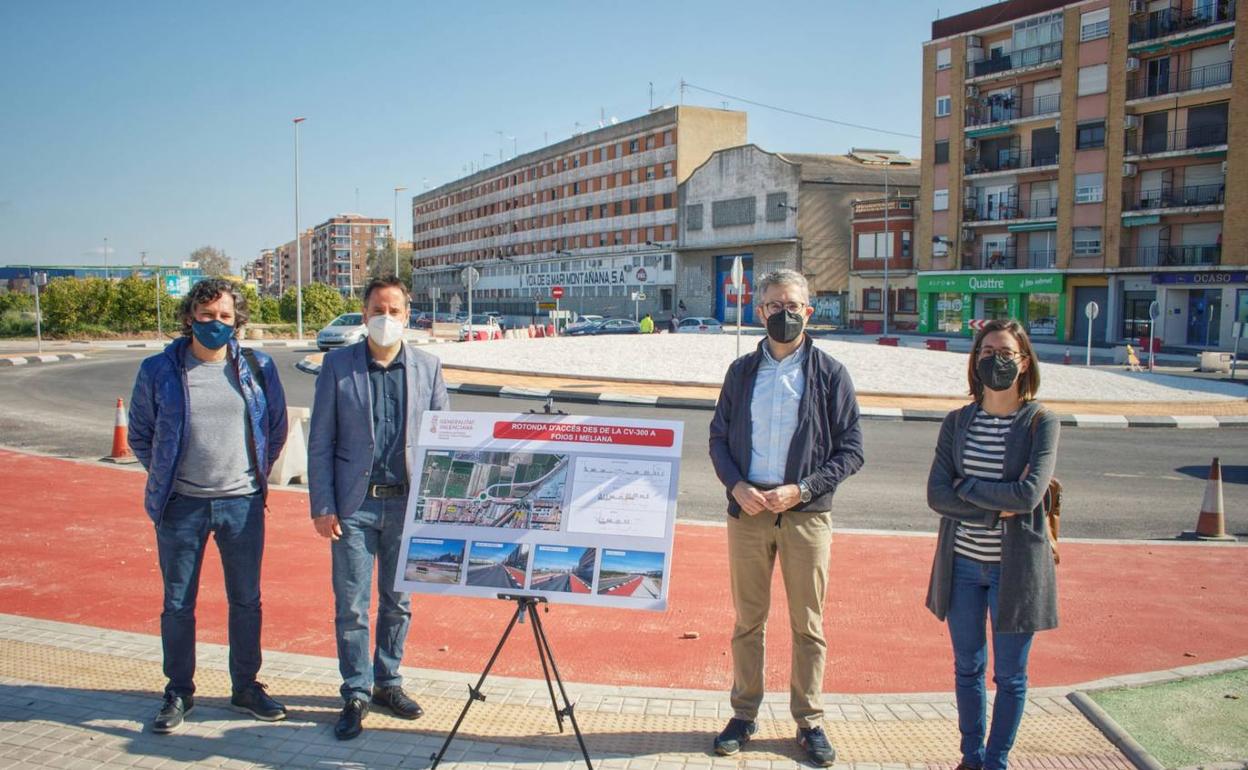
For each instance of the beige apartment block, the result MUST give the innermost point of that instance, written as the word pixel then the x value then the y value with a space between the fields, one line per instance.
pixel 1085 152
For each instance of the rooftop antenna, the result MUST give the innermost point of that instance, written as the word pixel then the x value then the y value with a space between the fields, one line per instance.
pixel 651 94
pixel 682 92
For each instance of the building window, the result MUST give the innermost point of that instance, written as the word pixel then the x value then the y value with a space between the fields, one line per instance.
pixel 872 300
pixel 735 211
pixel 1090 135
pixel 942 152
pixel 907 301
pixel 777 207
pixel 1094 24
pixel 632 146
pixel 1089 188
pixel 905 244
pixel 1093 79
pixel 944 106
pixel 944 58
pixel 693 217
pixel 1087 241
pixel 940 200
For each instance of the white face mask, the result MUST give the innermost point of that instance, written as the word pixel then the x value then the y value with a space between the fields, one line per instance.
pixel 385 331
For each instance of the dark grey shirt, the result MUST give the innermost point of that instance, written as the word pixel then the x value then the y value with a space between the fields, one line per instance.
pixel 216 460
pixel 388 388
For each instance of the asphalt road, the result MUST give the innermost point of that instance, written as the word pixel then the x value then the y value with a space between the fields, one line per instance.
pixel 1137 483
pixel 494 575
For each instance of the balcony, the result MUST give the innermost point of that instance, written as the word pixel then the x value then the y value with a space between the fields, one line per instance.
pixel 1026 57
pixel 1170 256
pixel 1194 79
pixel 1012 160
pixel 1172 21
pixel 1010 209
pixel 1178 141
pixel 1003 108
pixel 1174 197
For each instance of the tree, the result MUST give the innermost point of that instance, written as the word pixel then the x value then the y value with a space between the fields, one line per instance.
pixel 70 304
pixel 381 262
pixel 212 262
pixel 134 305
pixel 321 304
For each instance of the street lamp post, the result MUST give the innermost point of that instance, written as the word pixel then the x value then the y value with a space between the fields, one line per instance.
pixel 298 243
pixel 394 230
pixel 888 247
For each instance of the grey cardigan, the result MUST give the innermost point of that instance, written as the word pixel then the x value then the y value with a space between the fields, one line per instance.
pixel 1027 599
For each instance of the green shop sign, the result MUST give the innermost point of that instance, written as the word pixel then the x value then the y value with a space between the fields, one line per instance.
pixel 992 283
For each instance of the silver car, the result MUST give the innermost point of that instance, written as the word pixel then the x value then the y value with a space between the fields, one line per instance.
pixel 346 329
pixel 696 325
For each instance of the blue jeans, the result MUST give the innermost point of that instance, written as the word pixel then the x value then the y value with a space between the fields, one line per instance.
pixel 373 533
pixel 237 524
pixel 974 595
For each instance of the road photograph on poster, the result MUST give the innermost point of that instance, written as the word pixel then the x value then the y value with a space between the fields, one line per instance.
pixel 578 510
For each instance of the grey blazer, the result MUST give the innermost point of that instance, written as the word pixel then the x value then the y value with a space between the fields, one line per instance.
pixel 1027 600
pixel 340 440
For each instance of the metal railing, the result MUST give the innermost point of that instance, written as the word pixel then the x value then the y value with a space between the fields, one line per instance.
pixel 1042 259
pixel 997 109
pixel 1026 57
pixel 1183 139
pixel 1176 82
pixel 1170 256
pixel 1004 160
pixel 1169 21
pixel 1174 196
pixel 997 210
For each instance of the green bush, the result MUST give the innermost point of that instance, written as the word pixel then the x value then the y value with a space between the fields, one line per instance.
pixel 321 304
pixel 270 311
pixel 18 301
pixel 14 323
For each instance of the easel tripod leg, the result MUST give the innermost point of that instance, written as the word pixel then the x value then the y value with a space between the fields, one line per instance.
pixel 568 707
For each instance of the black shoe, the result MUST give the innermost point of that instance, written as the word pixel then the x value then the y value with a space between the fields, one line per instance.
pixel 172 712
pixel 253 700
pixel 818 750
pixel 734 736
pixel 394 699
pixel 350 721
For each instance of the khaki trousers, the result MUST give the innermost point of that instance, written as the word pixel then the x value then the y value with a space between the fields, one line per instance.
pixel 803 543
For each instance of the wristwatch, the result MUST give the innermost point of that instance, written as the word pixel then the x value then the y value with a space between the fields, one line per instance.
pixel 803 492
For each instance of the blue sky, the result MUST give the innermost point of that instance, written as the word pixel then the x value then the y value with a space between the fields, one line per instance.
pixel 631 561
pixel 166 126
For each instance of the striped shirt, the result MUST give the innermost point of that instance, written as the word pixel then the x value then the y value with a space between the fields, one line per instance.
pixel 983 457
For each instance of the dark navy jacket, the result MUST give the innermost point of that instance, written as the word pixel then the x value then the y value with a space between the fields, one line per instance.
pixel 159 411
pixel 827 445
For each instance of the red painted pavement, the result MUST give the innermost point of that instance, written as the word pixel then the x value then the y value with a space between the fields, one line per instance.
pixel 77 547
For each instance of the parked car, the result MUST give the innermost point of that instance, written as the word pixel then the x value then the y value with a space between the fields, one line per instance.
pixel 346 329
pixel 697 325
pixel 422 320
pixel 616 326
pixel 498 318
pixel 582 325
pixel 481 324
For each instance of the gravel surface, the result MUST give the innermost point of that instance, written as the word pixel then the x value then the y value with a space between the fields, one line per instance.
pixel 703 359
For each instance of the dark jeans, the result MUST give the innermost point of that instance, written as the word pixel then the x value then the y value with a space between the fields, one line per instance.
pixel 974 595
pixel 237 524
pixel 373 534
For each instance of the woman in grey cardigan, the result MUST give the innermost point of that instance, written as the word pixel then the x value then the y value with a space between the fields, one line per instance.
pixel 993 463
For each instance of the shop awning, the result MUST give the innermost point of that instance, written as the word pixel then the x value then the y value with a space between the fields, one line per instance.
pixel 1140 221
pixel 1032 227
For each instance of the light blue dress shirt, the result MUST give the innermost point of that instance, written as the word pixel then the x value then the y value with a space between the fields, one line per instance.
pixel 774 408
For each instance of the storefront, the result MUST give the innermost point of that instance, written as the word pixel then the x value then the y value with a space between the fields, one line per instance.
pixel 1199 308
pixel 949 302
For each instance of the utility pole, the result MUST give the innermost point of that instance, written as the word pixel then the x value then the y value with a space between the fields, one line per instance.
pixel 888 247
pixel 298 242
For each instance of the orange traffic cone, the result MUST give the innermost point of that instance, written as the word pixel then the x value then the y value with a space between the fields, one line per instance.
pixel 1066 358
pixel 121 447
pixel 1211 524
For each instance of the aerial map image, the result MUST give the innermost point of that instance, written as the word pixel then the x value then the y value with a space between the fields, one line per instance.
pixel 518 490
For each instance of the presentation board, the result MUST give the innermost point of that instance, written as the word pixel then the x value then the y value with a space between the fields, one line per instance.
pixel 580 510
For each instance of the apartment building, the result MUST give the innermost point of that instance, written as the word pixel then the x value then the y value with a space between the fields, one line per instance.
pixel 284 259
pixel 777 210
pixel 882 236
pixel 594 214
pixel 263 271
pixel 1084 152
pixel 340 250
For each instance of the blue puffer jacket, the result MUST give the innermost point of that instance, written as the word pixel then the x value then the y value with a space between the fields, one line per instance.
pixel 159 412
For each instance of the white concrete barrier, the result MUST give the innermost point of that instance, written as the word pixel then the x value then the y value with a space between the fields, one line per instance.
pixel 292 463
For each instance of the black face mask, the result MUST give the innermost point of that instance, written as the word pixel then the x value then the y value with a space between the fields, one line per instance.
pixel 996 372
pixel 785 326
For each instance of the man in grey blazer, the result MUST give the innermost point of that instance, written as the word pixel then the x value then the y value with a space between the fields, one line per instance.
pixel 365 421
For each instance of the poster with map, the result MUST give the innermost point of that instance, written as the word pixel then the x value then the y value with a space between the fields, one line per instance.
pixel 580 510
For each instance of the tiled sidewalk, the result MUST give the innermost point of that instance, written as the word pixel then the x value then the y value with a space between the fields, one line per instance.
pixel 80 697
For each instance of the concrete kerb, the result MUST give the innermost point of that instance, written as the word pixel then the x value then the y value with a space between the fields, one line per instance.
pixel 1113 731
pixel 44 358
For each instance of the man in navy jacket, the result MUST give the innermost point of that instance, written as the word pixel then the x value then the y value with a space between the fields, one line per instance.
pixel 361 454
pixel 207 421
pixel 784 435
